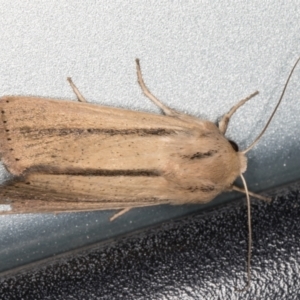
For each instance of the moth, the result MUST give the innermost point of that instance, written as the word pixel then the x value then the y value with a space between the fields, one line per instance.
pixel 72 156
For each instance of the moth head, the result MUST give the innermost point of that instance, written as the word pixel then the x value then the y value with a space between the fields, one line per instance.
pixel 242 156
pixel 234 145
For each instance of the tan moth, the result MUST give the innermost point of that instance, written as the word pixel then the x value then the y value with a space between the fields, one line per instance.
pixel 74 156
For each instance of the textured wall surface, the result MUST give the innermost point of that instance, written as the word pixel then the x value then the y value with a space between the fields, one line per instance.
pixel 198 257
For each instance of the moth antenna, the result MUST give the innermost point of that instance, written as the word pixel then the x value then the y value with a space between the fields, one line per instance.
pixel 249 237
pixel 274 111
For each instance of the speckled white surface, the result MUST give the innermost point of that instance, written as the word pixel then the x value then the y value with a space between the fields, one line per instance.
pixel 198 57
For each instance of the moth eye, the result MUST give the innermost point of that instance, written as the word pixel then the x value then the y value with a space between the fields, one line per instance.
pixel 234 146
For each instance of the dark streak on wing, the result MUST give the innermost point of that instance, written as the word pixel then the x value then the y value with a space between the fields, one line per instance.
pixel 29 131
pixel 207 188
pixel 95 172
pixel 203 188
pixel 200 155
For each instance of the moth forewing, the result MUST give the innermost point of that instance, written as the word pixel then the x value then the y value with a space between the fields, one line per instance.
pixel 114 159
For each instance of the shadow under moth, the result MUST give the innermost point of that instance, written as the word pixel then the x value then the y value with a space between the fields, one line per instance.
pixel 72 156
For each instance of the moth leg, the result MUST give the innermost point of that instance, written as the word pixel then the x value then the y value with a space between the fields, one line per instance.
pixel 120 213
pixel 166 110
pixel 223 123
pixel 76 91
pixel 257 196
